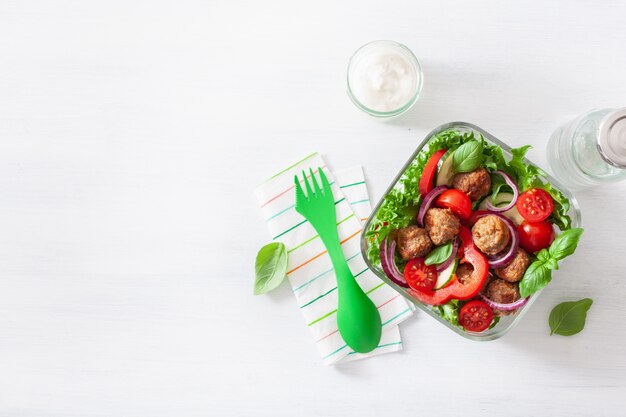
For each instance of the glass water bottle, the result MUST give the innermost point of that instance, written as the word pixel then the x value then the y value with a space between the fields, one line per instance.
pixel 591 149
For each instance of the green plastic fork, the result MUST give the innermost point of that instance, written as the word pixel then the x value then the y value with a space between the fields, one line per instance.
pixel 357 316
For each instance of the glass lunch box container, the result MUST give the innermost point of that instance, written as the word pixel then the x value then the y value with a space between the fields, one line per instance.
pixel 506 323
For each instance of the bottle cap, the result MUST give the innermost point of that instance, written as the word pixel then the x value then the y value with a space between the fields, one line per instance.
pixel 612 138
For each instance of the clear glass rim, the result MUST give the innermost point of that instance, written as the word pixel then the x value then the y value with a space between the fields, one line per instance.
pixel 604 127
pixel 410 102
pixel 574 213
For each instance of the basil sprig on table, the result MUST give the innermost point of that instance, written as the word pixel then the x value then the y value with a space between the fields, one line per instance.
pixel 270 267
pixel 439 254
pixel 569 318
pixel 468 157
pixel 539 273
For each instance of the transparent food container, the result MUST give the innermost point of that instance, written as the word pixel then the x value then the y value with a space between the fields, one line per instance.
pixel 506 323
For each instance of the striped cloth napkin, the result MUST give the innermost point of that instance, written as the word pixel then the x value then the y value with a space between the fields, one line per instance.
pixel 310 271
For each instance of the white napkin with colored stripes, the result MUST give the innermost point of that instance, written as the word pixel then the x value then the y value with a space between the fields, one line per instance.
pixel 310 271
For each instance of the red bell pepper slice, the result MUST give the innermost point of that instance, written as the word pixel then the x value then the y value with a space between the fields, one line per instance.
pixel 428 175
pixel 458 290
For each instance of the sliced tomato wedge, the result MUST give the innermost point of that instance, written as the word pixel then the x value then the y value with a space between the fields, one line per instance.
pixel 457 201
pixel 457 290
pixel 475 316
pixel 419 276
pixel 535 205
pixel 430 169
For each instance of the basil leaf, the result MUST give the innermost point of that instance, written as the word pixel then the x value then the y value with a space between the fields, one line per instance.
pixel 552 263
pixel 494 323
pixel 543 255
pixel 565 244
pixel 271 267
pixel 537 276
pixel 569 318
pixel 467 157
pixel 539 273
pixel 439 254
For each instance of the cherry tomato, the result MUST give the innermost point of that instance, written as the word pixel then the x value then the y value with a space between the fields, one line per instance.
pixel 419 276
pixel 534 236
pixel 475 316
pixel 457 201
pixel 428 175
pixel 535 205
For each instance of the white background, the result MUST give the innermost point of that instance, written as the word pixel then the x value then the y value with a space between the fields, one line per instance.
pixel 132 134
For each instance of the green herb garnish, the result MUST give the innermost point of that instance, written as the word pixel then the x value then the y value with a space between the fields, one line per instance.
pixel 569 318
pixel 565 244
pixel 439 254
pixel 539 273
pixel 468 157
pixel 271 267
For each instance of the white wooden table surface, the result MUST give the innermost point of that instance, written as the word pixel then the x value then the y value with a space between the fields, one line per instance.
pixel 132 134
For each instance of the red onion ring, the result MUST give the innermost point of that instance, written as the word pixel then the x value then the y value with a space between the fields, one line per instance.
pixel 505 307
pixel 448 262
pixel 429 198
pixel 388 262
pixel 500 261
pixel 511 183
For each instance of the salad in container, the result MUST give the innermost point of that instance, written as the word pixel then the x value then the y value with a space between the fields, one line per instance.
pixel 471 231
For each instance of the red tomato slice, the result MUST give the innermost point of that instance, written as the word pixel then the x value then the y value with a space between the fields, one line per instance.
pixel 535 205
pixel 457 201
pixel 458 290
pixel 534 236
pixel 428 175
pixel 475 316
pixel 419 276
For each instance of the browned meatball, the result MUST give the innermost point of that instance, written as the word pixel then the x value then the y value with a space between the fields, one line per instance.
pixel 442 226
pixel 491 235
pixel 413 242
pixel 514 271
pixel 502 292
pixel 464 272
pixel 476 184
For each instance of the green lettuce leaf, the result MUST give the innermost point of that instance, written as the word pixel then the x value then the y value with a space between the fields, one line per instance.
pixel 450 311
